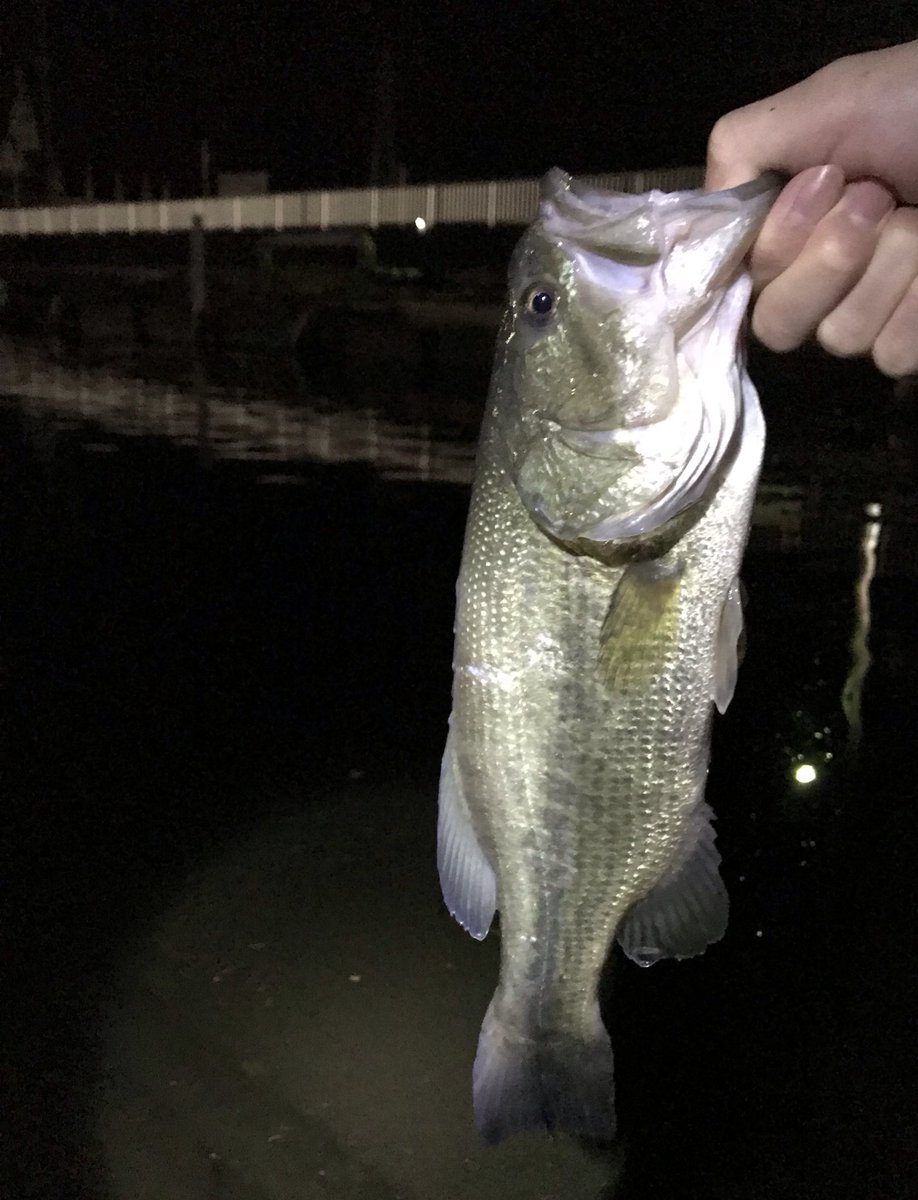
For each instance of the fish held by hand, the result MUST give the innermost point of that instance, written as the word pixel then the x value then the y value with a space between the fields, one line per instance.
pixel 598 617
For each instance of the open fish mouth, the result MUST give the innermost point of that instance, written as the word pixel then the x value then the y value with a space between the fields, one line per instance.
pixel 594 218
pixel 588 657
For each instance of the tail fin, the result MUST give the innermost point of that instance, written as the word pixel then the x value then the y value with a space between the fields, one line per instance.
pixel 546 1080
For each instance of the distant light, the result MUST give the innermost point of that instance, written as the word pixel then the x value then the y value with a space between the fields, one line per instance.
pixel 874 510
pixel 420 224
pixel 805 773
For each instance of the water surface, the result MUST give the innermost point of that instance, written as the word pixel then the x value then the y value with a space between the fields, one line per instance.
pixel 226 632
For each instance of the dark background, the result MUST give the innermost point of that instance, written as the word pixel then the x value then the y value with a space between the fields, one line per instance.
pixel 478 88
pixel 185 650
pixel 199 666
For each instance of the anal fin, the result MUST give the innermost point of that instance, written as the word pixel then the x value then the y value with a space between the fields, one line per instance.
pixel 687 909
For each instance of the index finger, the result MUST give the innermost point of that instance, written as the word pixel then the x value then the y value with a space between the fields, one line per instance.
pixel 786 132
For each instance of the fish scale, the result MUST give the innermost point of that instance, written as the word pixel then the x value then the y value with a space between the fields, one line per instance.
pixel 586 663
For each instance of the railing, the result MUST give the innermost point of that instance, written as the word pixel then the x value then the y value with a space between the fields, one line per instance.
pixel 494 202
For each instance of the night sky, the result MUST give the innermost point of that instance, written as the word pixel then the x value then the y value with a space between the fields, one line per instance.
pixel 482 88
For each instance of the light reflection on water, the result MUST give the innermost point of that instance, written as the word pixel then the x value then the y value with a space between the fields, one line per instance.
pixel 279 434
pixel 242 423
pixel 236 423
pixel 853 691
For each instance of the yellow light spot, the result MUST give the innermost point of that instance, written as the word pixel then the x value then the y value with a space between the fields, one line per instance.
pixel 805 773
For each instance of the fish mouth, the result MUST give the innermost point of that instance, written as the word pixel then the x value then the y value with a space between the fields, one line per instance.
pixel 597 218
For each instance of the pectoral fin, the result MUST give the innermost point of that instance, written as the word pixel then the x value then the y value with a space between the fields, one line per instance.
pixel 641 619
pixel 731 644
pixel 687 909
pixel 466 876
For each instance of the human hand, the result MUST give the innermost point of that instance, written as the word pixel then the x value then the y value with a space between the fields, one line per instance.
pixel 838 254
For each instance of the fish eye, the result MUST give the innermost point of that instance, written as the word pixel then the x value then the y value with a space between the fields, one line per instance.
pixel 540 303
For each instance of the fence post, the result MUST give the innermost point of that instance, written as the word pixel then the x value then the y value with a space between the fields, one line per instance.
pixel 197 275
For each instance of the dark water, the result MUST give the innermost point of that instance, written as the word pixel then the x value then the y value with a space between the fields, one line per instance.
pixel 226 636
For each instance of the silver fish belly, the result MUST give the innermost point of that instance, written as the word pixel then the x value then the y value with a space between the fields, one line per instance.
pixel 597 623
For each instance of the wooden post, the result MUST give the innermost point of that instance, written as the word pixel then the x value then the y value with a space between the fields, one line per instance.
pixel 205 167
pixel 197 276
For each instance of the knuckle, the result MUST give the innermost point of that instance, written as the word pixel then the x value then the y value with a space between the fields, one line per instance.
pixel 901 232
pixel 771 254
pixel 895 351
pixel 771 327
pixel 895 364
pixel 837 72
pixel 721 136
pixel 844 338
pixel 723 141
pixel 832 69
pixel 895 356
pixel 838 252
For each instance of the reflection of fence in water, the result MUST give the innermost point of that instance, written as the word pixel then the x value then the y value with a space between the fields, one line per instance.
pixel 237 424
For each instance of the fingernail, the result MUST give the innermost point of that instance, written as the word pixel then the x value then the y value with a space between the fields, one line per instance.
pixel 867 202
pixel 810 195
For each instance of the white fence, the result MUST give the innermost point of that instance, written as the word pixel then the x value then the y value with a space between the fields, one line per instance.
pixel 494 202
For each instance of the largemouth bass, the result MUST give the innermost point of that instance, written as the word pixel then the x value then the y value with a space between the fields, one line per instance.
pixel 598 616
